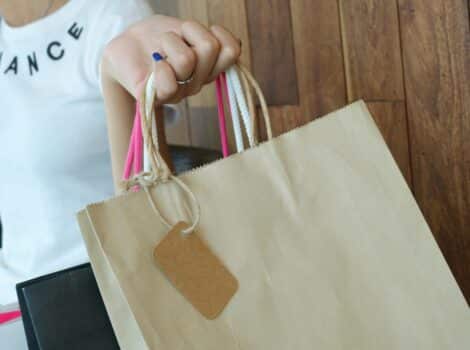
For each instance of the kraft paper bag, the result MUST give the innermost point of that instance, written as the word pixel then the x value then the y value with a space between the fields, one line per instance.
pixel 319 228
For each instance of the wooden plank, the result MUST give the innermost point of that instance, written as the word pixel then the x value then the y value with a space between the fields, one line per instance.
pixel 371 44
pixel 436 52
pixel 204 128
pixel 319 58
pixel 165 7
pixel 178 129
pixel 177 124
pixel 283 118
pixel 232 15
pixel 200 108
pixel 273 60
pixel 391 119
pixel 198 11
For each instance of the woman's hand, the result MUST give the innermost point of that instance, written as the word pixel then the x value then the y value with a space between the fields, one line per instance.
pixel 190 51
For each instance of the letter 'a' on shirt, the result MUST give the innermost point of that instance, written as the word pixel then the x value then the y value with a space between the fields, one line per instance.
pixel 54 148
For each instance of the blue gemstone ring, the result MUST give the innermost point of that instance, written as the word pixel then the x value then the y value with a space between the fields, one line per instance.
pixel 158 57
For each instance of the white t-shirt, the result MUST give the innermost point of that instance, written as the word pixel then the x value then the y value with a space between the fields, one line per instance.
pixel 54 153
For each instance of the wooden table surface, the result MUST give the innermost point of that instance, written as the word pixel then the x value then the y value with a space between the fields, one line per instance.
pixel 409 59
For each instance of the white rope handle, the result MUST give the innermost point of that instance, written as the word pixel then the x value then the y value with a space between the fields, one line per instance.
pixel 159 172
pixel 152 113
pixel 240 94
pixel 264 106
pixel 235 84
pixel 158 169
pixel 235 115
pixel 251 106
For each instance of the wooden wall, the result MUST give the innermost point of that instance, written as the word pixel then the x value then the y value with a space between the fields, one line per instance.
pixel 410 61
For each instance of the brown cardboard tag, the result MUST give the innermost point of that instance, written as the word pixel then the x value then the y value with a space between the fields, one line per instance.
pixel 195 271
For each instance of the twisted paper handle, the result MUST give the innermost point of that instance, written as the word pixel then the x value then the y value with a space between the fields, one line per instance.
pixel 250 82
pixel 159 171
pixel 238 84
pixel 220 87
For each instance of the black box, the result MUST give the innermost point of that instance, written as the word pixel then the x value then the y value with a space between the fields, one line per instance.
pixel 64 310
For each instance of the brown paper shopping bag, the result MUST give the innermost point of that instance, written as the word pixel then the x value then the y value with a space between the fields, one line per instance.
pixel 318 227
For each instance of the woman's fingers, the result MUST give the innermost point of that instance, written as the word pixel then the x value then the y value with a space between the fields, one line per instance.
pixel 190 50
pixel 174 61
pixel 179 55
pixel 127 58
pixel 166 88
pixel 229 53
pixel 206 47
pixel 191 56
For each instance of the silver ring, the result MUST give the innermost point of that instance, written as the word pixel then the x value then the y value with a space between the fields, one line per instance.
pixel 164 58
pixel 187 81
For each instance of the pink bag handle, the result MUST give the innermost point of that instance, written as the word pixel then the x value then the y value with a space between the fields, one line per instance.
pixel 138 142
pixel 134 157
pixel 9 316
pixel 219 84
pixel 135 151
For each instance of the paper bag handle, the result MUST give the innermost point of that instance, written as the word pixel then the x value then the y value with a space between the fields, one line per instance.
pixel 158 165
pixel 219 93
pixel 134 156
pixel 249 82
pixel 159 169
pixel 238 91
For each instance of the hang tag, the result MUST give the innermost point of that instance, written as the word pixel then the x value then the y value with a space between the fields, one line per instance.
pixel 195 271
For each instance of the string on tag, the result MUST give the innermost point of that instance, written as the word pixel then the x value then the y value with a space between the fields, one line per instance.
pixel 159 171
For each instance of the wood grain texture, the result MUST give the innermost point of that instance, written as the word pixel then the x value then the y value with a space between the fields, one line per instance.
pixel 204 128
pixel 391 120
pixel 371 42
pixel 232 15
pixel 201 109
pixel 165 7
pixel 436 51
pixel 283 118
pixel 198 11
pixel 178 129
pixel 319 58
pixel 177 124
pixel 273 61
